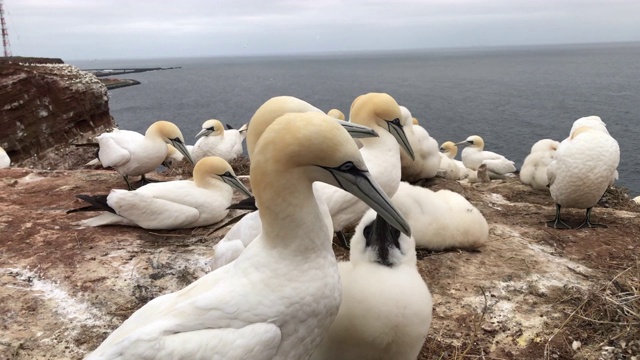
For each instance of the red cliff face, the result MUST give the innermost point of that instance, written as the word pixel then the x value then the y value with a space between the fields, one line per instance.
pixel 47 106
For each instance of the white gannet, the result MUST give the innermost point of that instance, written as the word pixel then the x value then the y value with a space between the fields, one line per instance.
pixel 335 113
pixel 594 122
pixel 636 200
pixel 534 168
pixel 448 152
pixel 5 162
pixel 279 298
pixel 585 165
pixel 473 156
pixel 386 305
pixel 426 159
pixel 173 155
pixel 131 153
pixel 442 219
pixel 243 232
pixel 170 205
pixel 214 140
pixel 380 112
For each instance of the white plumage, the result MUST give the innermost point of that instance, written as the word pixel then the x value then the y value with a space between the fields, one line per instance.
pixel 214 140
pixel 426 155
pixel 386 305
pixel 278 299
pixel 380 112
pixel 449 150
pixel 5 162
pixel 131 153
pixel 585 165
pixel 534 168
pixel 174 204
pixel 474 155
pixel 442 219
pixel 335 113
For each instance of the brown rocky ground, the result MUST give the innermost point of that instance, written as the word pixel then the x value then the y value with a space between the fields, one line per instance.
pixel 530 293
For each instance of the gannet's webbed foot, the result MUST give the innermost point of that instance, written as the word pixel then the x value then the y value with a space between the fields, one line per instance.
pixel 126 178
pixel 144 181
pixel 587 222
pixel 557 222
pixel 343 240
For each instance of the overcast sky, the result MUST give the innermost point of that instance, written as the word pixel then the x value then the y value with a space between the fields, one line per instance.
pixel 105 29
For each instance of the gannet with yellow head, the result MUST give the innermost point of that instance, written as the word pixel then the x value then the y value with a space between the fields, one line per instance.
pixel 170 205
pixel 279 298
pixel 131 153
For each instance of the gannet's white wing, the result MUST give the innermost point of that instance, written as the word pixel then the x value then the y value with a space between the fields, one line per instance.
pixel 111 154
pixel 151 212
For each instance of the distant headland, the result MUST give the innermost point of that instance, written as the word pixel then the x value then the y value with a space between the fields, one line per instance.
pixel 112 83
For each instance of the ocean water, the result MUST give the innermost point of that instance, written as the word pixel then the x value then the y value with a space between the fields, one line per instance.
pixel 512 97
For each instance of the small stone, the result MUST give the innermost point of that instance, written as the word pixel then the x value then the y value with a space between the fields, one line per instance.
pixel 576 345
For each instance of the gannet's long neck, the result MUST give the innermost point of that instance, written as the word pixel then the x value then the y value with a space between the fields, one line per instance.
pixel 382 156
pixel 291 218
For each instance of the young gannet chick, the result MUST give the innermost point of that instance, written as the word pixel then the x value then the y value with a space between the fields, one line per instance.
pixel 279 298
pixel 335 113
pixel 131 153
pixel 5 162
pixel 244 231
pixel 534 169
pixel 441 220
pixel 448 152
pixel 386 305
pixel 585 165
pixel 473 156
pixel 214 140
pixel 426 155
pixel 170 205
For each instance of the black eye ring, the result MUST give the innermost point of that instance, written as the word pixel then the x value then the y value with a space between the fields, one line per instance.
pixel 347 166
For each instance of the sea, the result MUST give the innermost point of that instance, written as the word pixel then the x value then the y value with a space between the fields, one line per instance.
pixel 512 97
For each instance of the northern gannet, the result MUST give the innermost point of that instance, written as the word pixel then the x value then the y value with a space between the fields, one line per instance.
pixel 426 155
pixel 279 298
pixel 243 232
pixel 380 112
pixel 169 205
pixel 534 168
pixel 441 219
pixel 448 152
pixel 386 305
pixel 131 153
pixel 214 140
pixel 473 156
pixel 5 162
pixel 335 113
pixel 584 167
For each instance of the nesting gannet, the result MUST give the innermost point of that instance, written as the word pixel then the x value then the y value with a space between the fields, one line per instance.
pixel 636 200
pixel 442 219
pixel 448 152
pixel 426 159
pixel 131 153
pixel 5 162
pixel 335 113
pixel 172 204
pixel 534 168
pixel 380 112
pixel 585 165
pixel 473 156
pixel 214 140
pixel 279 298
pixel 243 232
pixel 386 305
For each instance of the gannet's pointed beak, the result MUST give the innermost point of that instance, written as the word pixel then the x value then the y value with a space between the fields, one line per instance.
pixel 204 132
pixel 357 130
pixel 464 142
pixel 395 128
pixel 235 183
pixel 361 184
pixel 180 146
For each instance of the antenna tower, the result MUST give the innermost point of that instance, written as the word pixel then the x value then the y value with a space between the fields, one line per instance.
pixel 5 33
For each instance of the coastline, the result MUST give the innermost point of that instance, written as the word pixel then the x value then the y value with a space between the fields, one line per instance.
pixel 112 84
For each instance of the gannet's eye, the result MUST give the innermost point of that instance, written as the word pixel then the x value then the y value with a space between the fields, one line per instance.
pixel 346 167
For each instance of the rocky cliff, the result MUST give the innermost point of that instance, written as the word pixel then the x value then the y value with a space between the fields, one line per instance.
pixel 45 105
